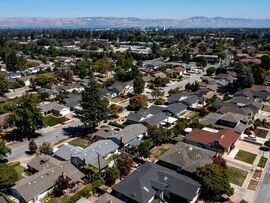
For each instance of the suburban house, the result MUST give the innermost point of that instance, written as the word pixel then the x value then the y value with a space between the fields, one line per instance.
pixel 52 93
pixel 151 180
pixel 185 158
pixel 131 135
pixel 60 110
pixel 94 155
pixel 106 133
pixel 236 121
pixel 37 186
pixel 53 108
pixel 222 140
pixel 260 91
pixel 177 109
pixel 16 93
pixel 73 101
pixel 27 79
pixel 177 71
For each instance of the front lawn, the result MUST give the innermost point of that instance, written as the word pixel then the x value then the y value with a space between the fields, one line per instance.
pixel 262 162
pixel 245 156
pixel 80 142
pixel 52 120
pixel 237 176
pixel 18 168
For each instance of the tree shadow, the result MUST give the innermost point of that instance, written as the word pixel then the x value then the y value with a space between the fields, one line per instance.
pixel 77 131
pixel 16 136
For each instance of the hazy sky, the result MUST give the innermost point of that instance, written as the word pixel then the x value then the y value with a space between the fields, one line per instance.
pixel 259 9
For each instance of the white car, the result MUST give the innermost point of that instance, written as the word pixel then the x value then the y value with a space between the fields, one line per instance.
pixel 251 138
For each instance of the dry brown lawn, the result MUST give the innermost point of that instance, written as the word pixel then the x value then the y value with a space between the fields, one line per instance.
pixel 157 151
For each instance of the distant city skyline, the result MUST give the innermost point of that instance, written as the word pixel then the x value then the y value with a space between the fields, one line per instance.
pixel 170 9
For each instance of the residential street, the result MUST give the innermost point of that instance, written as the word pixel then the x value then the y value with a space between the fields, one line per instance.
pixel 263 194
pixel 182 83
pixel 51 134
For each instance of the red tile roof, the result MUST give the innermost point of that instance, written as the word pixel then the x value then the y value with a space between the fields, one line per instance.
pixel 225 137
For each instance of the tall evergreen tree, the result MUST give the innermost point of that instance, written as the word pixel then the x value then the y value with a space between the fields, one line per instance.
pixel 94 105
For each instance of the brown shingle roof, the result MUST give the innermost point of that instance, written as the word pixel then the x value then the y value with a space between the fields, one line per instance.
pixel 225 137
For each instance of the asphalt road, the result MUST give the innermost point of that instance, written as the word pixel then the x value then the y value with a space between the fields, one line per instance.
pixel 52 135
pixel 182 83
pixel 263 194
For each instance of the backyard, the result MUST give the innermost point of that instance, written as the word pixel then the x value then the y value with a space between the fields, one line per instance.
pixel 52 120
pixel 156 152
pixel 245 156
pixel 237 176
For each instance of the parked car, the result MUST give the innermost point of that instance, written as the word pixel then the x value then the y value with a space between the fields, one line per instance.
pixel 251 138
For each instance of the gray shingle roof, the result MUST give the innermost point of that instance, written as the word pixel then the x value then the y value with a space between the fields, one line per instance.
pixel 155 119
pixel 176 108
pixel 187 157
pixel 72 100
pixel 29 188
pixel 101 147
pixel 43 162
pixel 131 132
pixel 66 151
pixel 141 185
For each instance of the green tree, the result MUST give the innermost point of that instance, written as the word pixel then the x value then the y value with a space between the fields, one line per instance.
pixel 244 77
pixel 116 109
pixel 157 93
pixel 138 84
pixel 211 70
pixel 265 62
pixel 3 84
pixel 201 61
pixel 160 101
pixel 102 65
pixel 124 163
pixel 8 177
pixel 21 63
pixel 27 116
pixel 267 144
pixel 258 74
pixel 60 185
pixel 138 101
pixel 156 50
pixel 32 146
pixel 111 175
pixel 144 147
pixel 11 61
pixel 45 148
pixel 44 80
pixel 82 68
pixel 215 181
pixel 94 106
pixel 4 150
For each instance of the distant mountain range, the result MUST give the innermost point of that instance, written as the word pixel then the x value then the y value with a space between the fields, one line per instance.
pixel 110 22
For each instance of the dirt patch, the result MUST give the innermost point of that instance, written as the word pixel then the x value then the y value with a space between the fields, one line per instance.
pixel 257 174
pixel 156 152
pixel 253 184
pixel 260 133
